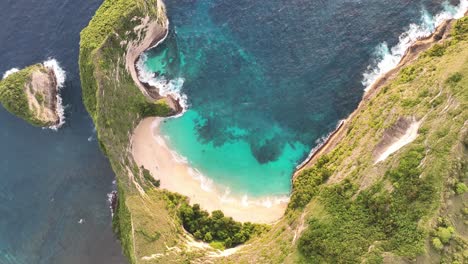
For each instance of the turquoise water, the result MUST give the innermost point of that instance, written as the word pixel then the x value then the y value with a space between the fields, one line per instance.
pixel 266 80
pixel 235 154
pixel 232 163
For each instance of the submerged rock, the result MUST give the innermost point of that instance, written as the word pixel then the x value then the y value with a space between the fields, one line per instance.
pixel 32 94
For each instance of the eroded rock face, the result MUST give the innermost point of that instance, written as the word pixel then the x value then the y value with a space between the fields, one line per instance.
pixel 32 94
pixel 403 132
pixel 41 92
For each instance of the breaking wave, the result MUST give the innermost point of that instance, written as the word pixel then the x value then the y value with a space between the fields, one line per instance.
pixel 387 58
pixel 165 86
pixel 112 198
pixel 208 185
pixel 60 76
pixel 10 72
pixel 244 200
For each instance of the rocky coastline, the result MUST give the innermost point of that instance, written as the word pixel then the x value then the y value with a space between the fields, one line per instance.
pixel 33 94
pixel 441 33
pixel 155 32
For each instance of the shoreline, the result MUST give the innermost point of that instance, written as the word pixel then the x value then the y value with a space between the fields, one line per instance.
pixel 440 34
pixel 149 149
pixel 154 34
pixel 147 152
pixel 51 109
pixel 59 76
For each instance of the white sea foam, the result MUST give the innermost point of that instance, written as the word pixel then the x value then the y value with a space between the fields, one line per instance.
pixel 165 87
pixel 175 156
pixel 245 201
pixel 205 183
pixel 388 58
pixel 208 185
pixel 111 196
pixel 92 137
pixel 10 72
pixel 60 76
pixel 267 201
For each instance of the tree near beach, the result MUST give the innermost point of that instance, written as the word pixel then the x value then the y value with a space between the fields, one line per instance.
pixel 216 227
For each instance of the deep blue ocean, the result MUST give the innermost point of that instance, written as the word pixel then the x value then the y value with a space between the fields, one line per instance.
pixel 50 180
pixel 266 78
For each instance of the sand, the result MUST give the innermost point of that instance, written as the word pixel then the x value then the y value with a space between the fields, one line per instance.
pixel 150 149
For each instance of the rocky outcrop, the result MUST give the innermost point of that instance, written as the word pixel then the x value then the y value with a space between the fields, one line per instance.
pixel 32 94
pixel 42 95
pixel 403 132
pixel 150 33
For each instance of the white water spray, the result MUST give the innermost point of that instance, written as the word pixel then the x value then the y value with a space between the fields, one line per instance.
pixel 388 58
pixel 10 72
pixel 165 87
pixel 60 76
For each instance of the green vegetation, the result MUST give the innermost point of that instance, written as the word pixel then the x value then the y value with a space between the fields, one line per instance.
pixel 122 225
pixel 216 227
pixel 113 16
pixel 444 234
pixel 460 29
pixel 344 209
pixel 437 243
pixel 436 51
pixel 306 183
pixel 454 78
pixel 392 214
pixel 13 96
pixel 357 218
pixel 147 175
pixel 461 188
pixel 40 98
pixel 407 74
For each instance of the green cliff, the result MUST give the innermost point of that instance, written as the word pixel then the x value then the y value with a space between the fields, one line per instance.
pixel 353 203
pixel 30 94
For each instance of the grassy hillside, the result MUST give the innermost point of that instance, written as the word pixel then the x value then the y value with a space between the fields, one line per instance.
pixel 116 106
pixel 410 207
pixel 13 96
pixel 345 209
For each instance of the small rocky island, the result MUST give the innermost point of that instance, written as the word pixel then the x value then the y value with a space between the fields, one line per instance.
pixel 33 94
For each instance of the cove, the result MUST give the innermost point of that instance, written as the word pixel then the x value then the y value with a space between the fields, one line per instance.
pixel 266 81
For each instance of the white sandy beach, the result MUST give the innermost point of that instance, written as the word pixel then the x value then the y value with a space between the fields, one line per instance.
pixel 150 150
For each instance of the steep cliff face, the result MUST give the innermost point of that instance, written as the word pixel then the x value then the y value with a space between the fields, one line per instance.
pixel 117 101
pixel 349 206
pixel 345 207
pixel 32 95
